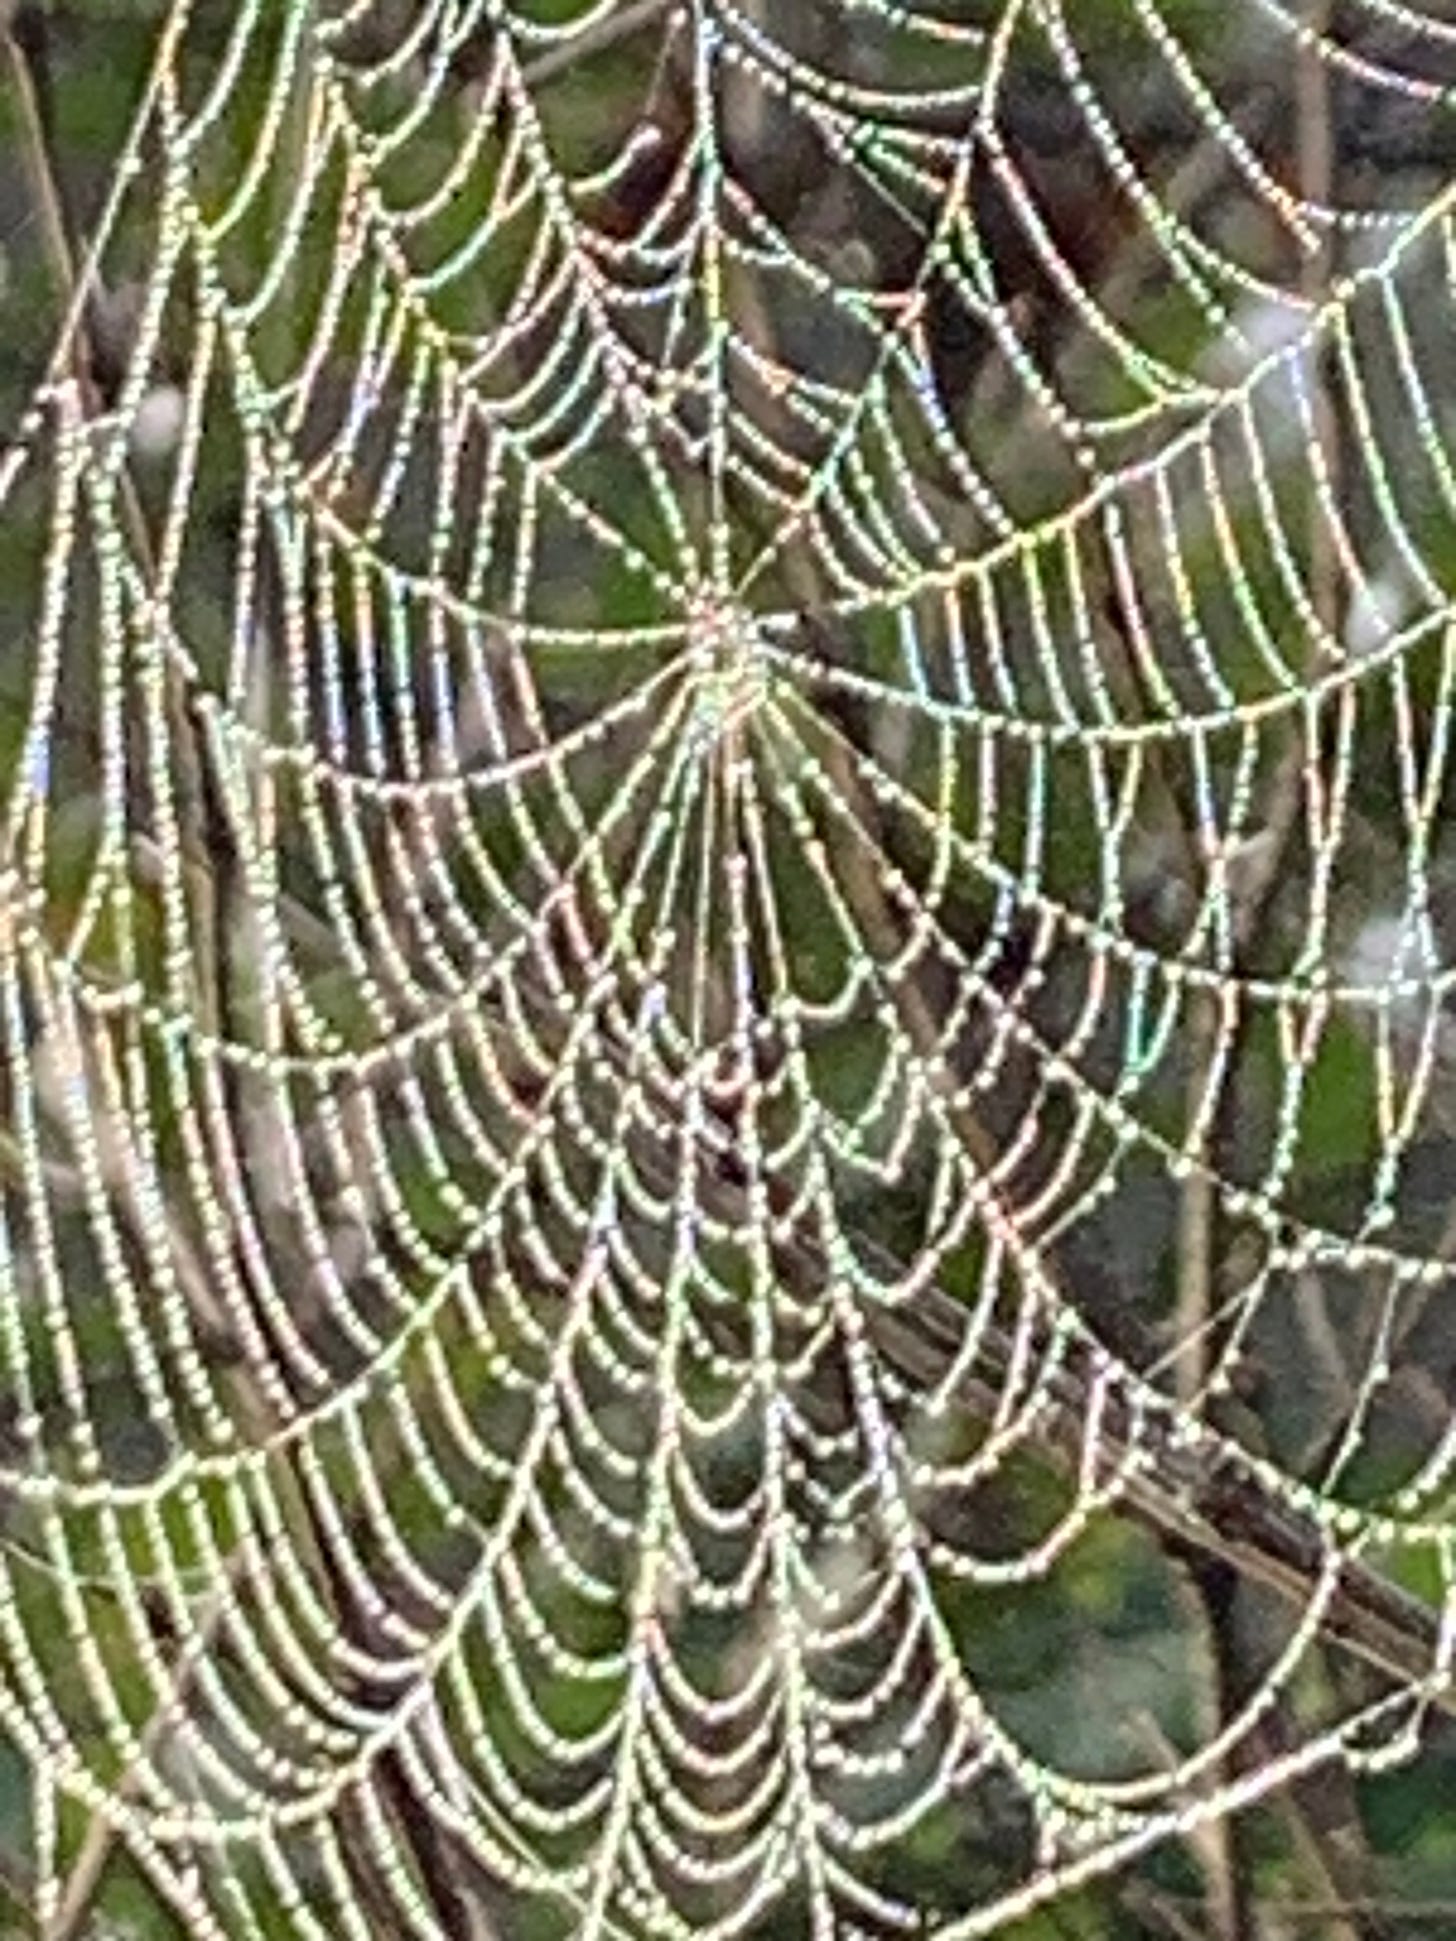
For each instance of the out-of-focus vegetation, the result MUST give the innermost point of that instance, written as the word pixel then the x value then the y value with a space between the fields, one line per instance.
pixel 1117 1657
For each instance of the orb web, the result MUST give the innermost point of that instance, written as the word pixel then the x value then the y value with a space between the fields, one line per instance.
pixel 724 950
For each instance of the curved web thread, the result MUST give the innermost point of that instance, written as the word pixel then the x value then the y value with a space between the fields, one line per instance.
pixel 724 874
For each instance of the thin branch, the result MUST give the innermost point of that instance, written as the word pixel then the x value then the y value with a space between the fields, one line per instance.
pixel 68 1921
pixel 603 33
pixel 76 291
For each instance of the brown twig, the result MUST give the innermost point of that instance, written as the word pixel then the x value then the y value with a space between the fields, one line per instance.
pixel 602 33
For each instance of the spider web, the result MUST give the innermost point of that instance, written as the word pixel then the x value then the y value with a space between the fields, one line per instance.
pixel 724 956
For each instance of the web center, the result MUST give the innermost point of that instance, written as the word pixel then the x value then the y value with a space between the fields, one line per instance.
pixel 729 673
